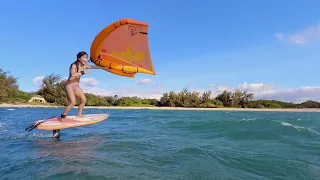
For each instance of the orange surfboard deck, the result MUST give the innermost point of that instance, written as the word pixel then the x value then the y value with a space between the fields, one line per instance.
pixel 71 121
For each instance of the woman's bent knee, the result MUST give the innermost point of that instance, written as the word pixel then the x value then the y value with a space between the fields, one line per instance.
pixel 72 103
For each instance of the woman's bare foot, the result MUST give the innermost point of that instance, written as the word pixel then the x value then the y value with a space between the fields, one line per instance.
pixel 80 116
pixel 62 120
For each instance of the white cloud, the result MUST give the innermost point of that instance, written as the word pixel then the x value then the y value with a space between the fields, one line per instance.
pixel 211 85
pixel 90 82
pixel 38 81
pixel 280 36
pixel 157 85
pixel 254 87
pixel 291 95
pixel 223 88
pixel 144 81
pixel 99 91
pixel 302 37
pixel 266 91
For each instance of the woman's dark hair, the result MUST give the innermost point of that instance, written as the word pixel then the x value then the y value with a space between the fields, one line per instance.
pixel 80 54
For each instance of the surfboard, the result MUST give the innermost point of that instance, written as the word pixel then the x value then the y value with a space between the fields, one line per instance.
pixel 56 124
pixel 70 121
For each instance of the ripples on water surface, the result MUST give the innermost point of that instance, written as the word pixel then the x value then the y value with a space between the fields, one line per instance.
pixel 163 144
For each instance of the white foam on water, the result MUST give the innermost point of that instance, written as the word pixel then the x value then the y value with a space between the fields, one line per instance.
pixel 3 127
pixel 314 131
pixel 299 128
pixel 249 119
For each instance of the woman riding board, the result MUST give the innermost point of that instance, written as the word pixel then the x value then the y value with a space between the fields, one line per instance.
pixel 72 87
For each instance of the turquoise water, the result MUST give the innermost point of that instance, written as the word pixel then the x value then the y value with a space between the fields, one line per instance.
pixel 162 144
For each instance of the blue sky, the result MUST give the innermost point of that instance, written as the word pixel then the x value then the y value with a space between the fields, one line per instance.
pixel 196 44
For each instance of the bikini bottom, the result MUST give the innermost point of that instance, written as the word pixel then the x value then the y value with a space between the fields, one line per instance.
pixel 73 86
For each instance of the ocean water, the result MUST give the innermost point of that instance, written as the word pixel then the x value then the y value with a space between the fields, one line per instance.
pixel 163 144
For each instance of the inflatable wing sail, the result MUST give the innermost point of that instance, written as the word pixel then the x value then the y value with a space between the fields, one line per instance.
pixel 123 49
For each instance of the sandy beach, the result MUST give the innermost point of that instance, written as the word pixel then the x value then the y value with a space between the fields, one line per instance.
pixel 8 105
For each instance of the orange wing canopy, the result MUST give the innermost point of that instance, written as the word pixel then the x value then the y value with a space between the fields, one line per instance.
pixel 123 49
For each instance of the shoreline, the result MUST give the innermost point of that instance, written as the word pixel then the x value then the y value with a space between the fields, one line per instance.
pixel 10 105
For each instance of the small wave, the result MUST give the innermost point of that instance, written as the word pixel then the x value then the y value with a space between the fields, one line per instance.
pixel 299 128
pixel 15 136
pixel 10 109
pixel 314 131
pixel 3 127
pixel 249 119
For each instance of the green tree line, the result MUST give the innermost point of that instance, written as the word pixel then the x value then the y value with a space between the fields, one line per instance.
pixel 52 90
